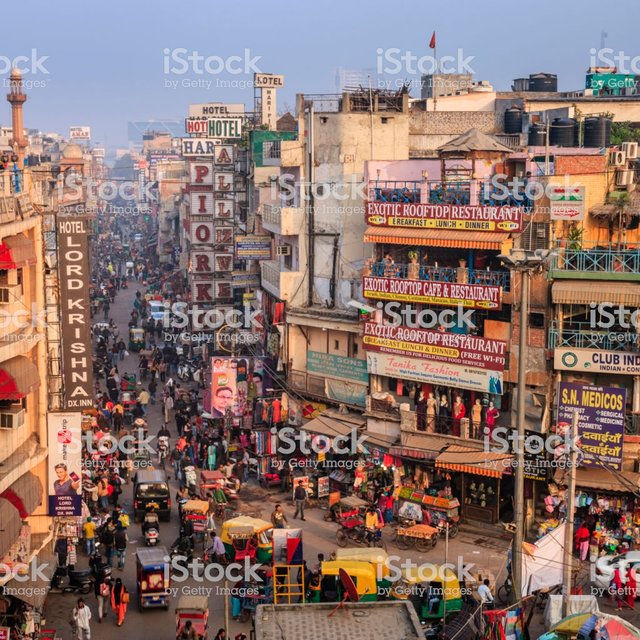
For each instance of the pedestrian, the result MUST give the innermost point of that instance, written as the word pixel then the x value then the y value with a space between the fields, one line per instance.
pixel 581 541
pixel 221 635
pixel 616 588
pixel 119 600
pixel 102 589
pixel 153 387
pixel 300 497
pixel 143 399
pixel 81 617
pixel 484 593
pixel 168 409
pixel 120 543
pixel 89 530
pixel 631 587
pixel 278 519
pixel 188 632
pixel 107 540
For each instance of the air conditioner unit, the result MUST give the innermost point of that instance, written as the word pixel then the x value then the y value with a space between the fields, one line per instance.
pixel 12 417
pixel 617 159
pixel 624 177
pixel 9 293
pixel 630 149
pixel 283 250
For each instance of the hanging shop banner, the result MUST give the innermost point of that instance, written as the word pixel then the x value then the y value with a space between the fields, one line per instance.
pixel 287 546
pixel 438 373
pixel 243 280
pixel 65 464
pixel 455 348
pixel 327 364
pixel 323 486
pixel 566 203
pixel 74 278
pixel 448 294
pixel 597 361
pixel 445 216
pixel 347 392
pixel 230 127
pixel 253 247
pixel 232 379
pixel 601 412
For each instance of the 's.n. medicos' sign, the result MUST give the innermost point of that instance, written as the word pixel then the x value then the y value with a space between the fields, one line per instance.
pixel 448 294
pixel 445 216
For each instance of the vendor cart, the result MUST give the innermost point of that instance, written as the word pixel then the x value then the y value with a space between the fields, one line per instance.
pixel 420 536
pixel 195 609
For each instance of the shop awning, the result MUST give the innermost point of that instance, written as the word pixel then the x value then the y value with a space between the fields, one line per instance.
pixel 25 494
pixel 10 525
pixel 602 480
pixel 481 463
pixel 325 426
pixel 18 377
pixel 379 441
pixel 39 587
pixel 573 292
pixel 436 238
pixel 16 251
pixel 420 446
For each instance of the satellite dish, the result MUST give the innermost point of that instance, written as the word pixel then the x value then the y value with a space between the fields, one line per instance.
pixel 349 588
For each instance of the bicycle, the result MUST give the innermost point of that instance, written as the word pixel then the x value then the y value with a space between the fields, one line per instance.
pixel 505 591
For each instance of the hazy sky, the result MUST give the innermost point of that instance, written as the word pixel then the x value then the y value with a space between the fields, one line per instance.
pixel 105 62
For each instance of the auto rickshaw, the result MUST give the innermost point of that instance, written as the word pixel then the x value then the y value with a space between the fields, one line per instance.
pixel 377 558
pixel 427 587
pixel 153 578
pixel 244 536
pixel 361 572
pixel 210 480
pixel 195 512
pixel 196 609
pixel 136 340
pixel 341 508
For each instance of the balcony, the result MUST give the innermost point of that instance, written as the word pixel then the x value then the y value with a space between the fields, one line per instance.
pixel 596 261
pixel 435 273
pixel 278 281
pixel 582 335
pixel 283 221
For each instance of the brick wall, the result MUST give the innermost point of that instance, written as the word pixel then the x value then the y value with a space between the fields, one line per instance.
pixel 579 164
pixel 455 122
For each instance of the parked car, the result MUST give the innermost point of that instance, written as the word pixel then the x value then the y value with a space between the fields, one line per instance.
pixel 606 565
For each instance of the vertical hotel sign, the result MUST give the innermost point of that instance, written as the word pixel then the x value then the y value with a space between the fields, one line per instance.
pixel 74 279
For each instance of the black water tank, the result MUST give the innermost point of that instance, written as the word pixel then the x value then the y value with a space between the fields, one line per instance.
pixel 537 135
pixel 513 120
pixel 564 132
pixel 597 132
pixel 543 82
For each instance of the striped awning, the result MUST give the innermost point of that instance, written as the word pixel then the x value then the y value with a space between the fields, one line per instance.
pixel 18 377
pixel 436 238
pixel 480 463
pixel 572 292
pixel 16 251
pixel 11 525
pixel 25 494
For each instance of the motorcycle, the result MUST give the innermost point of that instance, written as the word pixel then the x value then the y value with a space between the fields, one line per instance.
pixel 72 581
pixel 151 536
pixel 353 530
pixel 182 551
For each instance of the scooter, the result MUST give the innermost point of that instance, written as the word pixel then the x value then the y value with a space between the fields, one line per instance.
pixel 151 536
pixel 71 581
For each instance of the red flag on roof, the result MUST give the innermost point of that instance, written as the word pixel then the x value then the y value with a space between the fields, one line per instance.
pixel 432 42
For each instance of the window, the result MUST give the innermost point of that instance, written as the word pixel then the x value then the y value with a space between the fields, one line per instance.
pixel 536 320
pixel 324 119
pixel 271 150
pixel 384 120
pixel 537 237
pixel 336 344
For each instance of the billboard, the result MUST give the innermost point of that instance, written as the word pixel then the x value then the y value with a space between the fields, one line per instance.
pixel 601 412
pixel 448 294
pixel 199 146
pixel 215 109
pixel 253 247
pixel 437 373
pixel 230 127
pixel 455 348
pixel 445 216
pixel 201 203
pixel 74 280
pixel 64 487
pixel 230 381
pixel 79 133
pixel 566 203
pixel 616 362
pixel 268 81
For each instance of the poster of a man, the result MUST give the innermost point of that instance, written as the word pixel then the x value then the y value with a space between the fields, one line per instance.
pixel 222 398
pixel 67 483
pixel 65 464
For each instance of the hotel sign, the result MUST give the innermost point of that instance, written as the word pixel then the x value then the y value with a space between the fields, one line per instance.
pixel 230 127
pixel 437 373
pixel 617 362
pixel 448 294
pixel 444 216
pixel 454 348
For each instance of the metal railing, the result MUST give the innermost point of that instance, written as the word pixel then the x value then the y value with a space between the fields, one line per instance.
pixel 597 257
pixel 582 335
pixel 442 274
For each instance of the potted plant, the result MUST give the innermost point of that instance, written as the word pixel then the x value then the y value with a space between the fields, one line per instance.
pixel 574 245
pixel 413 270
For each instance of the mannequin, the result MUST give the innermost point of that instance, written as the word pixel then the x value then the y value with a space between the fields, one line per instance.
pixel 431 414
pixel 476 418
pixel 459 412
pixel 421 412
pixel 444 414
pixel 492 416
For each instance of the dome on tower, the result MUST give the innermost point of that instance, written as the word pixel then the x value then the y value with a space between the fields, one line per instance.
pixel 72 152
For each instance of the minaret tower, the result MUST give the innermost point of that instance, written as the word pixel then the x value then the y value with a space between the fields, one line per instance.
pixel 17 98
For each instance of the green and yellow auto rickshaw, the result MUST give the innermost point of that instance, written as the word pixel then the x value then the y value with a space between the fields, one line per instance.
pixel 361 572
pixel 247 537
pixel 377 558
pixel 136 340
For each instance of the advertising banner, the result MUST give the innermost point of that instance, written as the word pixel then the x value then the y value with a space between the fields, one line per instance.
pixel 232 379
pixel 230 127
pixel 79 133
pixel 328 364
pixel 347 392
pixel 621 362
pixel 601 412
pixel 253 247
pixel 75 278
pixel 64 488
pixel 567 203
pixel 437 373
pixel 455 348
pixel 287 546
pixel 445 216
pixel 448 294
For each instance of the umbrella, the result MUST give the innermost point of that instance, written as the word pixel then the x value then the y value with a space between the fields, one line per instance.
pixel 571 624
pixel 618 629
pixel 550 635
pixel 588 626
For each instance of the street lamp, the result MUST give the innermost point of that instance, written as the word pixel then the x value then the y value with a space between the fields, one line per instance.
pixel 525 262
